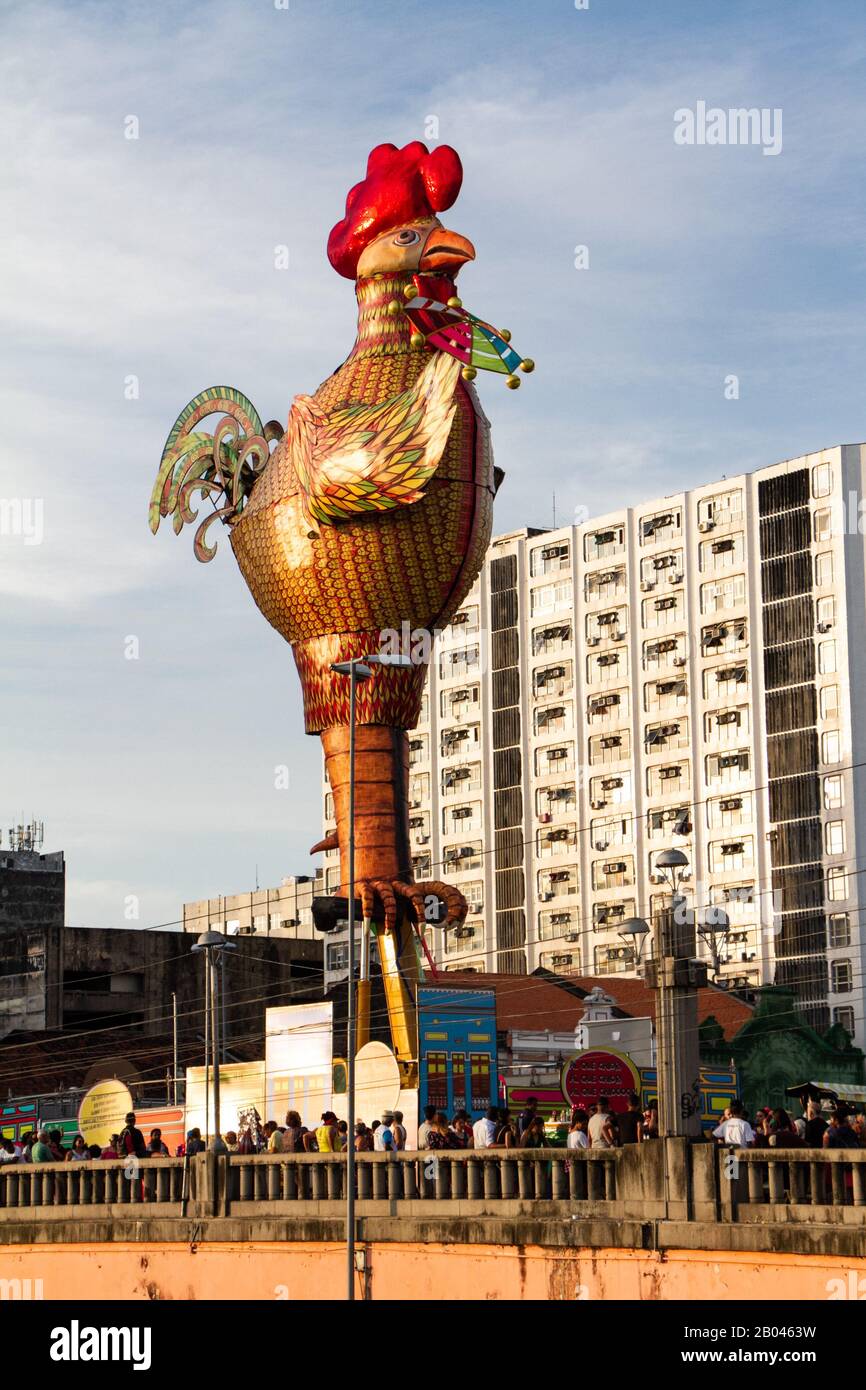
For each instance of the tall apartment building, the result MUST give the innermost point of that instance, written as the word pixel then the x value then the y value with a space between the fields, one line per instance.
pixel 684 673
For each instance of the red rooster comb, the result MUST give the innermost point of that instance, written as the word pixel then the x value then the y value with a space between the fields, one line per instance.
pixel 401 186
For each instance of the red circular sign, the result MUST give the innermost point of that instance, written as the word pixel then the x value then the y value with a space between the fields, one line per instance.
pixel 589 1075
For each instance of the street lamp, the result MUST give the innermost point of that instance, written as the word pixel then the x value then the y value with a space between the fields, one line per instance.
pixel 214 945
pixel 713 931
pixel 358 668
pixel 636 932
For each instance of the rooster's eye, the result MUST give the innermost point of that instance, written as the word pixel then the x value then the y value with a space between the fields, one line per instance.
pixel 407 237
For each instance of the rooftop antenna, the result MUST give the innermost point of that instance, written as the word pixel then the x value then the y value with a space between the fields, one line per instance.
pixel 554 511
pixel 257 878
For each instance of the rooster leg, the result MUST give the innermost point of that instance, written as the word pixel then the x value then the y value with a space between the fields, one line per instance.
pixel 383 862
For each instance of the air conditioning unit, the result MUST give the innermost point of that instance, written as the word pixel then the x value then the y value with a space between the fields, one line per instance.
pixel 824 627
pixel 602 845
pixel 423 839
pixel 679 661
pixel 707 525
pixel 657 878
pixel 598 805
pixel 545 818
pixel 675 579
pixel 463 932
pixel 572 936
pixel 477 907
pixel 545 897
pixel 593 641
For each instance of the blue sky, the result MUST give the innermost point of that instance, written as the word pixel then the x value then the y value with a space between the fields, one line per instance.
pixel 154 258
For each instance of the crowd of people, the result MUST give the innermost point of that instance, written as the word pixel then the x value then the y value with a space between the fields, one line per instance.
pixel 46 1146
pixel 841 1128
pixel 598 1127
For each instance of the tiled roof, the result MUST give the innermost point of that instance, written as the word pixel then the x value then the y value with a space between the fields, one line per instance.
pixel 544 1001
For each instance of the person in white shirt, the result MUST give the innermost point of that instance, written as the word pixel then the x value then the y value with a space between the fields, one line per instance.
pixel 426 1125
pixel 600 1129
pixel 577 1136
pixel 8 1153
pixel 735 1130
pixel 484 1130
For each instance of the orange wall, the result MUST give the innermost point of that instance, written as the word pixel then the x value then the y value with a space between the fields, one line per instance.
pixel 402 1271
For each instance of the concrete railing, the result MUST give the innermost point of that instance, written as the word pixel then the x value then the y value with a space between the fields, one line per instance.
pixel 664 1180
pixel 99 1183
pixel 503 1175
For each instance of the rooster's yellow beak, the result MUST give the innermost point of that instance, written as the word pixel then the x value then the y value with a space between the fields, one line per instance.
pixel 445 252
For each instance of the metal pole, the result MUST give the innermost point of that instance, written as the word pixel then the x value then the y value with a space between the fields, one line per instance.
pixel 350 1038
pixel 174 1046
pixel 207 1046
pixel 215 1043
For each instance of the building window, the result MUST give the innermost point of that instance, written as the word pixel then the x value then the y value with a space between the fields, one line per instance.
pixel 459 662
pixel 338 956
pixel 727 767
pixel 610 790
pixel 662 611
pixel 555 801
pixel 823 522
pixel 825 613
pixel 845 1018
pixel 724 812
pixel 607 709
pixel 822 480
pixel 726 725
pixel 660 738
pixel 556 925
pixel 604 584
pixel 614 872
pixel 604 667
pixel 601 544
pixel 726 681
pixel 611 625
pixel 610 748
pixel 662 526
pixel 459 701
pixel 457 820
pixel 555 841
pixel 731 636
pixel 550 559
pixel 547 641
pixel 612 830
pixel 464 739
pixel 834 837
pixel 721 509
pixel 829 701
pixel 827 657
pixel 549 596
pixel 839 929
pixel 841 977
pixel 613 960
pixel 729 855
pixel 723 593
pixel 823 569
pixel 831 747
pixel 457 781
pixel 552 719
pixel 557 883
pixel 668 779
pixel 722 553
pixel 834 792
pixel 561 962
pixel 460 858
pixel 659 570
pixel 552 681
pixel 837 885
pixel 551 760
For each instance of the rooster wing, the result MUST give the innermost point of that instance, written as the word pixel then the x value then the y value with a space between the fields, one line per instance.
pixel 372 458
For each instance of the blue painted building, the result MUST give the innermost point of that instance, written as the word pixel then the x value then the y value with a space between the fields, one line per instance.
pixel 457 1049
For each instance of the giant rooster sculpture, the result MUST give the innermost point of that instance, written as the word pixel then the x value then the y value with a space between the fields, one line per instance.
pixel 371 514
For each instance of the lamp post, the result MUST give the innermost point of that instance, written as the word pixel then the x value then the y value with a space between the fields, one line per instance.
pixel 214 945
pixel 676 976
pixel 713 930
pixel 359 668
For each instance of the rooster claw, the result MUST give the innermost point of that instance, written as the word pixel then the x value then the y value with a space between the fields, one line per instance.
pixel 425 899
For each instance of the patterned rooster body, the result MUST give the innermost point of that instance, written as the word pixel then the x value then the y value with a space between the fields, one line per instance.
pixel 334 590
pixel 368 521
